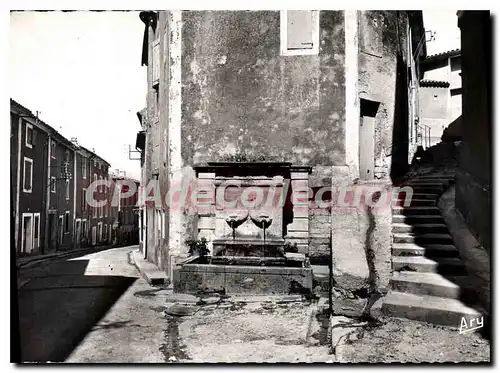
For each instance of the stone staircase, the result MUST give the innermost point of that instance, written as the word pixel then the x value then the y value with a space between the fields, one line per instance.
pixel 429 280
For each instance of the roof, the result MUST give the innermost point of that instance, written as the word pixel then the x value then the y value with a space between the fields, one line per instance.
pixel 443 55
pixel 94 155
pixel 41 124
pixel 434 83
pixel 119 177
pixel 44 126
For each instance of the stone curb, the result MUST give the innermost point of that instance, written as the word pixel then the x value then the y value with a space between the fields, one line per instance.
pixel 148 270
pixel 22 262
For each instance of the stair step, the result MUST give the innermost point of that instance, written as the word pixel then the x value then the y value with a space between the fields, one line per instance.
pixel 402 195
pixel 427 308
pixel 429 251
pixel 415 202
pixel 435 183
pixel 440 175
pixel 422 238
pixel 427 189
pixel 417 219
pixel 416 210
pixel 436 180
pixel 424 284
pixel 419 228
pixel 443 265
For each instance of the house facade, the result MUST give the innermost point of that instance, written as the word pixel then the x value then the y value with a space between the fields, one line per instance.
pixel 124 212
pixel 50 176
pixel 306 91
pixel 92 223
pixel 441 93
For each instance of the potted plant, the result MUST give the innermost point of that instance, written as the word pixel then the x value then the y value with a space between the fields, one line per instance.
pixel 200 248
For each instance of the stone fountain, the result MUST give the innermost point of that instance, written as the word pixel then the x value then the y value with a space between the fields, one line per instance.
pixel 247 244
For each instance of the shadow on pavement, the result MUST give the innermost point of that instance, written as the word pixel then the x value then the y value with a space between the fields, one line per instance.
pixel 61 305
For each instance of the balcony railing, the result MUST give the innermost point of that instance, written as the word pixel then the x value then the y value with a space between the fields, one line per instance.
pixel 423 135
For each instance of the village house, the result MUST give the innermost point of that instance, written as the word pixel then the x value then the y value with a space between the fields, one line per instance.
pixel 50 178
pixel 321 98
pixel 43 164
pixel 92 224
pixel 440 98
pixel 124 209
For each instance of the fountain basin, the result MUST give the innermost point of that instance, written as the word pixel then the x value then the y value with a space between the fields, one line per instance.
pixel 242 246
pixel 192 278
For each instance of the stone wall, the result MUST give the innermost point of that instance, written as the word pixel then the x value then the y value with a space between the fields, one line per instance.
pixel 473 178
pixel 241 95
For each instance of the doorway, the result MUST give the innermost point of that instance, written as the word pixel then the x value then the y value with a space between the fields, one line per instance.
pixel 60 229
pixel 52 231
pixel 78 229
pixel 99 231
pixel 368 113
pixel 94 235
pixel 27 236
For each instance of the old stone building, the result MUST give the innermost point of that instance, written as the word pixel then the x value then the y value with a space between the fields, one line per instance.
pixel 327 98
pixel 440 98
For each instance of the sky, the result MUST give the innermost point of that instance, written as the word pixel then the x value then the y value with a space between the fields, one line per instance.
pixel 445 25
pixel 82 71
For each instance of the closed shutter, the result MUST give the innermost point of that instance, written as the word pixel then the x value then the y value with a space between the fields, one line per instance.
pixel 156 63
pixel 299 29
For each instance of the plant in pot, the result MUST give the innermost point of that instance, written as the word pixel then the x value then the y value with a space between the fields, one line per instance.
pixel 200 248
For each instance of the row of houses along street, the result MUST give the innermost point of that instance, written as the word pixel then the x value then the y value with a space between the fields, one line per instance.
pixel 50 178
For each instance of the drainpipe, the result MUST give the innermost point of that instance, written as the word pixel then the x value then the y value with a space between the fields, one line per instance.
pixel 18 181
pixel 330 270
pixel 74 201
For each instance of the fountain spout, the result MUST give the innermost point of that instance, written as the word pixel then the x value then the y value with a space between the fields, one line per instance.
pixel 263 221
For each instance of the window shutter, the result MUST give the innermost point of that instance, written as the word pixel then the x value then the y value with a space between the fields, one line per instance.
pixel 299 29
pixel 156 63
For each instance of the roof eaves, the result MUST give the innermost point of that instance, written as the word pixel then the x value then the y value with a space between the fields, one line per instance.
pixel 434 83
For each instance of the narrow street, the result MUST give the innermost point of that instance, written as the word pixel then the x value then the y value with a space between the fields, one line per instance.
pixel 62 304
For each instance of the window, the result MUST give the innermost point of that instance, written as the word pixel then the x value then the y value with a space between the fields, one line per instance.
pixel 28 175
pixel 455 64
pixel 84 168
pixel 66 222
pixel 29 135
pixel 94 214
pixel 52 184
pixel 156 63
pixel 299 32
pixel 67 189
pixel 84 199
pixel 52 149
pixel 162 224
